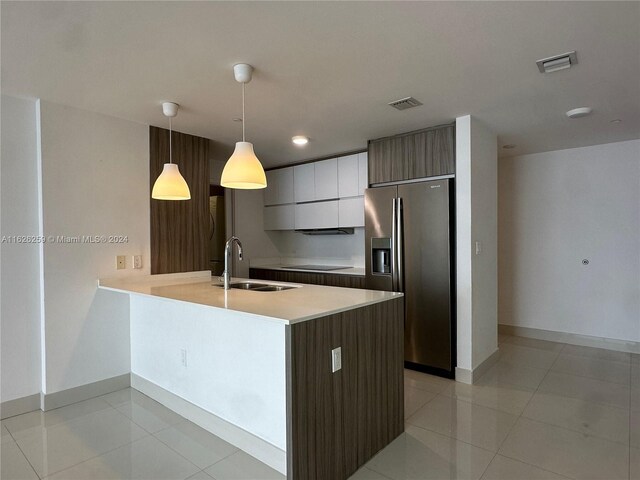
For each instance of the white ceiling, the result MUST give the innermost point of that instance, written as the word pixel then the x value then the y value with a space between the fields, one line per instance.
pixel 328 69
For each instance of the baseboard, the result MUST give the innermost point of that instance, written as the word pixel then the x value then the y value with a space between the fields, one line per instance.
pixel 464 375
pixel 50 401
pixel 571 338
pixel 18 406
pixel 264 451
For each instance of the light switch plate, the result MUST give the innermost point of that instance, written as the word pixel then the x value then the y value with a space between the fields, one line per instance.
pixel 336 359
pixel 478 248
pixel 121 262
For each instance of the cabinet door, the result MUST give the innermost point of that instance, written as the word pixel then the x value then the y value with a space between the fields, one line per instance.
pixel 326 179
pixel 351 212
pixel 304 188
pixel 271 192
pixel 363 179
pixel 348 176
pixel 422 154
pixel 279 217
pixel 316 215
pixel 285 185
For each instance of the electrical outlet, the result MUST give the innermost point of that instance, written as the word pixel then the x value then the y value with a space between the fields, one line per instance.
pixel 183 357
pixel 336 359
pixel 478 248
pixel 121 262
pixel 137 261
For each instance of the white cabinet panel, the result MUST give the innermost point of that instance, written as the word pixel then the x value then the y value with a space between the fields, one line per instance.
pixel 279 217
pixel 348 176
pixel 285 185
pixel 326 179
pixel 279 187
pixel 304 182
pixel 351 212
pixel 316 215
pixel 363 172
pixel 271 192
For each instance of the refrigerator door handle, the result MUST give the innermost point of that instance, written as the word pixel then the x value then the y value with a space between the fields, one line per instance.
pixel 394 246
pixel 399 242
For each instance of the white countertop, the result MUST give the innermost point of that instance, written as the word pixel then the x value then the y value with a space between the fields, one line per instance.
pixel 288 306
pixel 353 271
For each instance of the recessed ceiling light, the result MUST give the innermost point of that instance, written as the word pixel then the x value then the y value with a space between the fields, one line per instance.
pixel 509 146
pixel 300 140
pixel 615 120
pixel 579 112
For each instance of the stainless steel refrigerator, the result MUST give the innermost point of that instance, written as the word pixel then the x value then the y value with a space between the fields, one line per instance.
pixel 409 231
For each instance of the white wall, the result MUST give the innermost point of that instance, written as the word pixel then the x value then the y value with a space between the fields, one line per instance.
pixel 235 368
pixel 556 209
pixel 476 221
pixel 20 263
pixel 95 181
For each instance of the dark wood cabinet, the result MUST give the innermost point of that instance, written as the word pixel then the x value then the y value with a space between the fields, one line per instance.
pixel 423 153
pixel 329 279
pixel 339 420
pixel 180 229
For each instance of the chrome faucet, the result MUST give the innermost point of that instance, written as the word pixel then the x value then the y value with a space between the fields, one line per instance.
pixel 228 248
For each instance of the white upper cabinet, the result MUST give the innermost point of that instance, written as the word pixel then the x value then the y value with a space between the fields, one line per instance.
pixel 348 176
pixel 351 212
pixel 316 215
pixel 363 172
pixel 279 189
pixel 304 183
pixel 326 179
pixel 326 194
pixel 279 217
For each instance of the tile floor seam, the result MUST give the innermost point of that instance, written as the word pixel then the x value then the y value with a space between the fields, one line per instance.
pixel 28 461
pixel 93 458
pixel 575 431
pixel 174 450
pixel 69 420
pixel 373 470
pixel 453 438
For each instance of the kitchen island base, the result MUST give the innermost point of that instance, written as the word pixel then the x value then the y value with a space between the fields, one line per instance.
pixel 258 369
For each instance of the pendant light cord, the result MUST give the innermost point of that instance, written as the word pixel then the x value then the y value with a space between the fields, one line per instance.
pixel 243 84
pixel 170 149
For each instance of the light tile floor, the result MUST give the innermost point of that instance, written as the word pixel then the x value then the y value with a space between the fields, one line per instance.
pixel 545 411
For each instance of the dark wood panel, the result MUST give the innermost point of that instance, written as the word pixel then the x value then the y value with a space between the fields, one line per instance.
pixel 425 153
pixel 329 279
pixel 340 420
pixel 180 229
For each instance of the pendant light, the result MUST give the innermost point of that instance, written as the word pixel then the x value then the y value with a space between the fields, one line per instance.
pixel 243 170
pixel 170 185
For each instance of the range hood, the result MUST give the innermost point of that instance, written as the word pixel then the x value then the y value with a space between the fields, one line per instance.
pixel 327 231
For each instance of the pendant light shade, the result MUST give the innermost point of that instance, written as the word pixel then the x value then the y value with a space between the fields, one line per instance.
pixel 170 185
pixel 243 170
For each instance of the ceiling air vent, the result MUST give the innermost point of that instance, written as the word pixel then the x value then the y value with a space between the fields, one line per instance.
pixel 404 103
pixel 557 62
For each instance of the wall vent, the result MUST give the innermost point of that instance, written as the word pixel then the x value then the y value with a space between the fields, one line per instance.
pixel 404 103
pixel 557 62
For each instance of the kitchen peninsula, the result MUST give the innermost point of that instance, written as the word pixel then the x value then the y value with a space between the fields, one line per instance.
pixel 308 379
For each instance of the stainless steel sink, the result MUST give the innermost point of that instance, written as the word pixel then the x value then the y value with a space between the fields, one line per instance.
pixel 258 287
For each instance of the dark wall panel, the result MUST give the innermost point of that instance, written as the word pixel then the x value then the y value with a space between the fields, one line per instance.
pixel 340 420
pixel 180 229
